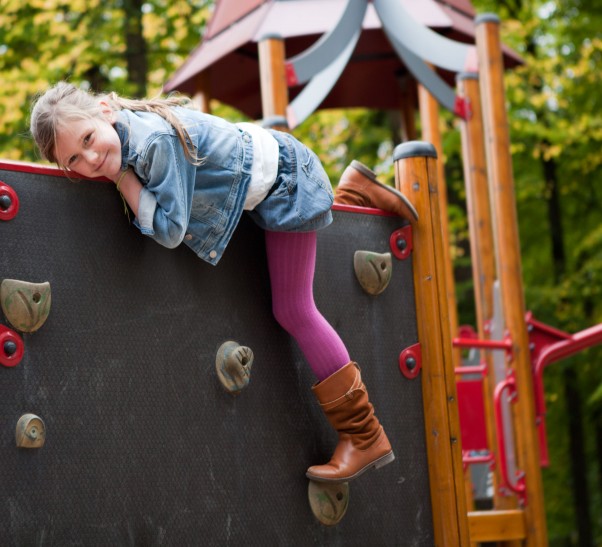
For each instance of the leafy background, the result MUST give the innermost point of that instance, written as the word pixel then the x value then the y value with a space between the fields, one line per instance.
pixel 554 104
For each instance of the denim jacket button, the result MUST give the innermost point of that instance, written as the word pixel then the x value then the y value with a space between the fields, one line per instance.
pixel 213 254
pixel 188 237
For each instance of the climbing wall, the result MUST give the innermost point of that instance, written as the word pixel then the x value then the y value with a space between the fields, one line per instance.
pixel 143 446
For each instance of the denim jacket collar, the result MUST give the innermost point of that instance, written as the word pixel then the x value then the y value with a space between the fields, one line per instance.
pixel 123 130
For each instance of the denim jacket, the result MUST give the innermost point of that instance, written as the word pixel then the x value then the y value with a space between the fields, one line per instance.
pixel 202 204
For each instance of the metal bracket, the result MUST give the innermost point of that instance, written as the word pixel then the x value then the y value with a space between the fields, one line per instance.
pixel 410 361
pixel 504 344
pixel 11 347
pixel 9 202
pixel 401 242
pixel 463 108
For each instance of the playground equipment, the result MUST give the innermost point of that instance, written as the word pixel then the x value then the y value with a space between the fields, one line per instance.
pixel 141 442
pixel 511 435
pixel 340 49
pixel 122 376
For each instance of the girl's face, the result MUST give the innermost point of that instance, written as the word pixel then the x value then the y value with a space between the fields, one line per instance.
pixel 90 147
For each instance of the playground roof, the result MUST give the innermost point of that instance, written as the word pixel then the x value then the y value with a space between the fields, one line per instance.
pixel 228 54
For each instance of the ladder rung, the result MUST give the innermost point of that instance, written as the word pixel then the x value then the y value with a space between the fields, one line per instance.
pixel 497 525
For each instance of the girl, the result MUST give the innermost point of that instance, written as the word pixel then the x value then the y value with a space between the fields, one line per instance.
pixel 188 176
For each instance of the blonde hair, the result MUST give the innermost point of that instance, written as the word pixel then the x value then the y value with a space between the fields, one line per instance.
pixel 64 103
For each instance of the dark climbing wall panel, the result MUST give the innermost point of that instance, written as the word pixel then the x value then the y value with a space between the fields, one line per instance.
pixel 143 446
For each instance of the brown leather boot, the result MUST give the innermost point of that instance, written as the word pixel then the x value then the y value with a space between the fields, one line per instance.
pixel 359 186
pixel 363 444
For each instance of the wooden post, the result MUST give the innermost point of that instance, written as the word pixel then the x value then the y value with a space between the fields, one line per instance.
pixel 509 267
pixel 481 243
pixel 274 91
pixel 477 202
pixel 416 177
pixel 408 109
pixel 431 132
pixel 429 116
pixel 482 254
pixel 202 95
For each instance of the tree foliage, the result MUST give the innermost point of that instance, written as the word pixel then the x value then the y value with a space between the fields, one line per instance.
pixel 555 121
pixel 86 42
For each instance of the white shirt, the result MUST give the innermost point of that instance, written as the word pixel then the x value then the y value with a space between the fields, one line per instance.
pixel 265 164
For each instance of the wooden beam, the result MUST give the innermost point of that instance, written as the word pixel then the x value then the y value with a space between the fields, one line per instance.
pixel 509 270
pixel 497 525
pixel 274 90
pixel 481 247
pixel 416 177
pixel 431 132
pixel 202 94
pixel 408 110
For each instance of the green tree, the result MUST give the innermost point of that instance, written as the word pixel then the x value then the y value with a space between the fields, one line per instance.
pixel 555 126
pixel 128 46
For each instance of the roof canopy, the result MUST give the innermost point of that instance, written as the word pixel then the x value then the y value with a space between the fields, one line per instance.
pixel 228 57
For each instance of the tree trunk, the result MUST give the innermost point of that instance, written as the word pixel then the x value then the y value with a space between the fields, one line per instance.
pixel 135 46
pixel 597 418
pixel 571 386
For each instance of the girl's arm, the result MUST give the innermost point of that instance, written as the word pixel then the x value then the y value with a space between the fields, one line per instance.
pixel 129 186
pixel 160 205
pixel 165 199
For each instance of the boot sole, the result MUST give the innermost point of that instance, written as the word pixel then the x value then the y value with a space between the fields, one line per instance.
pixel 376 464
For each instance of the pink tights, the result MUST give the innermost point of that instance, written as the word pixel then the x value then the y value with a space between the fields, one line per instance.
pixel 291 262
